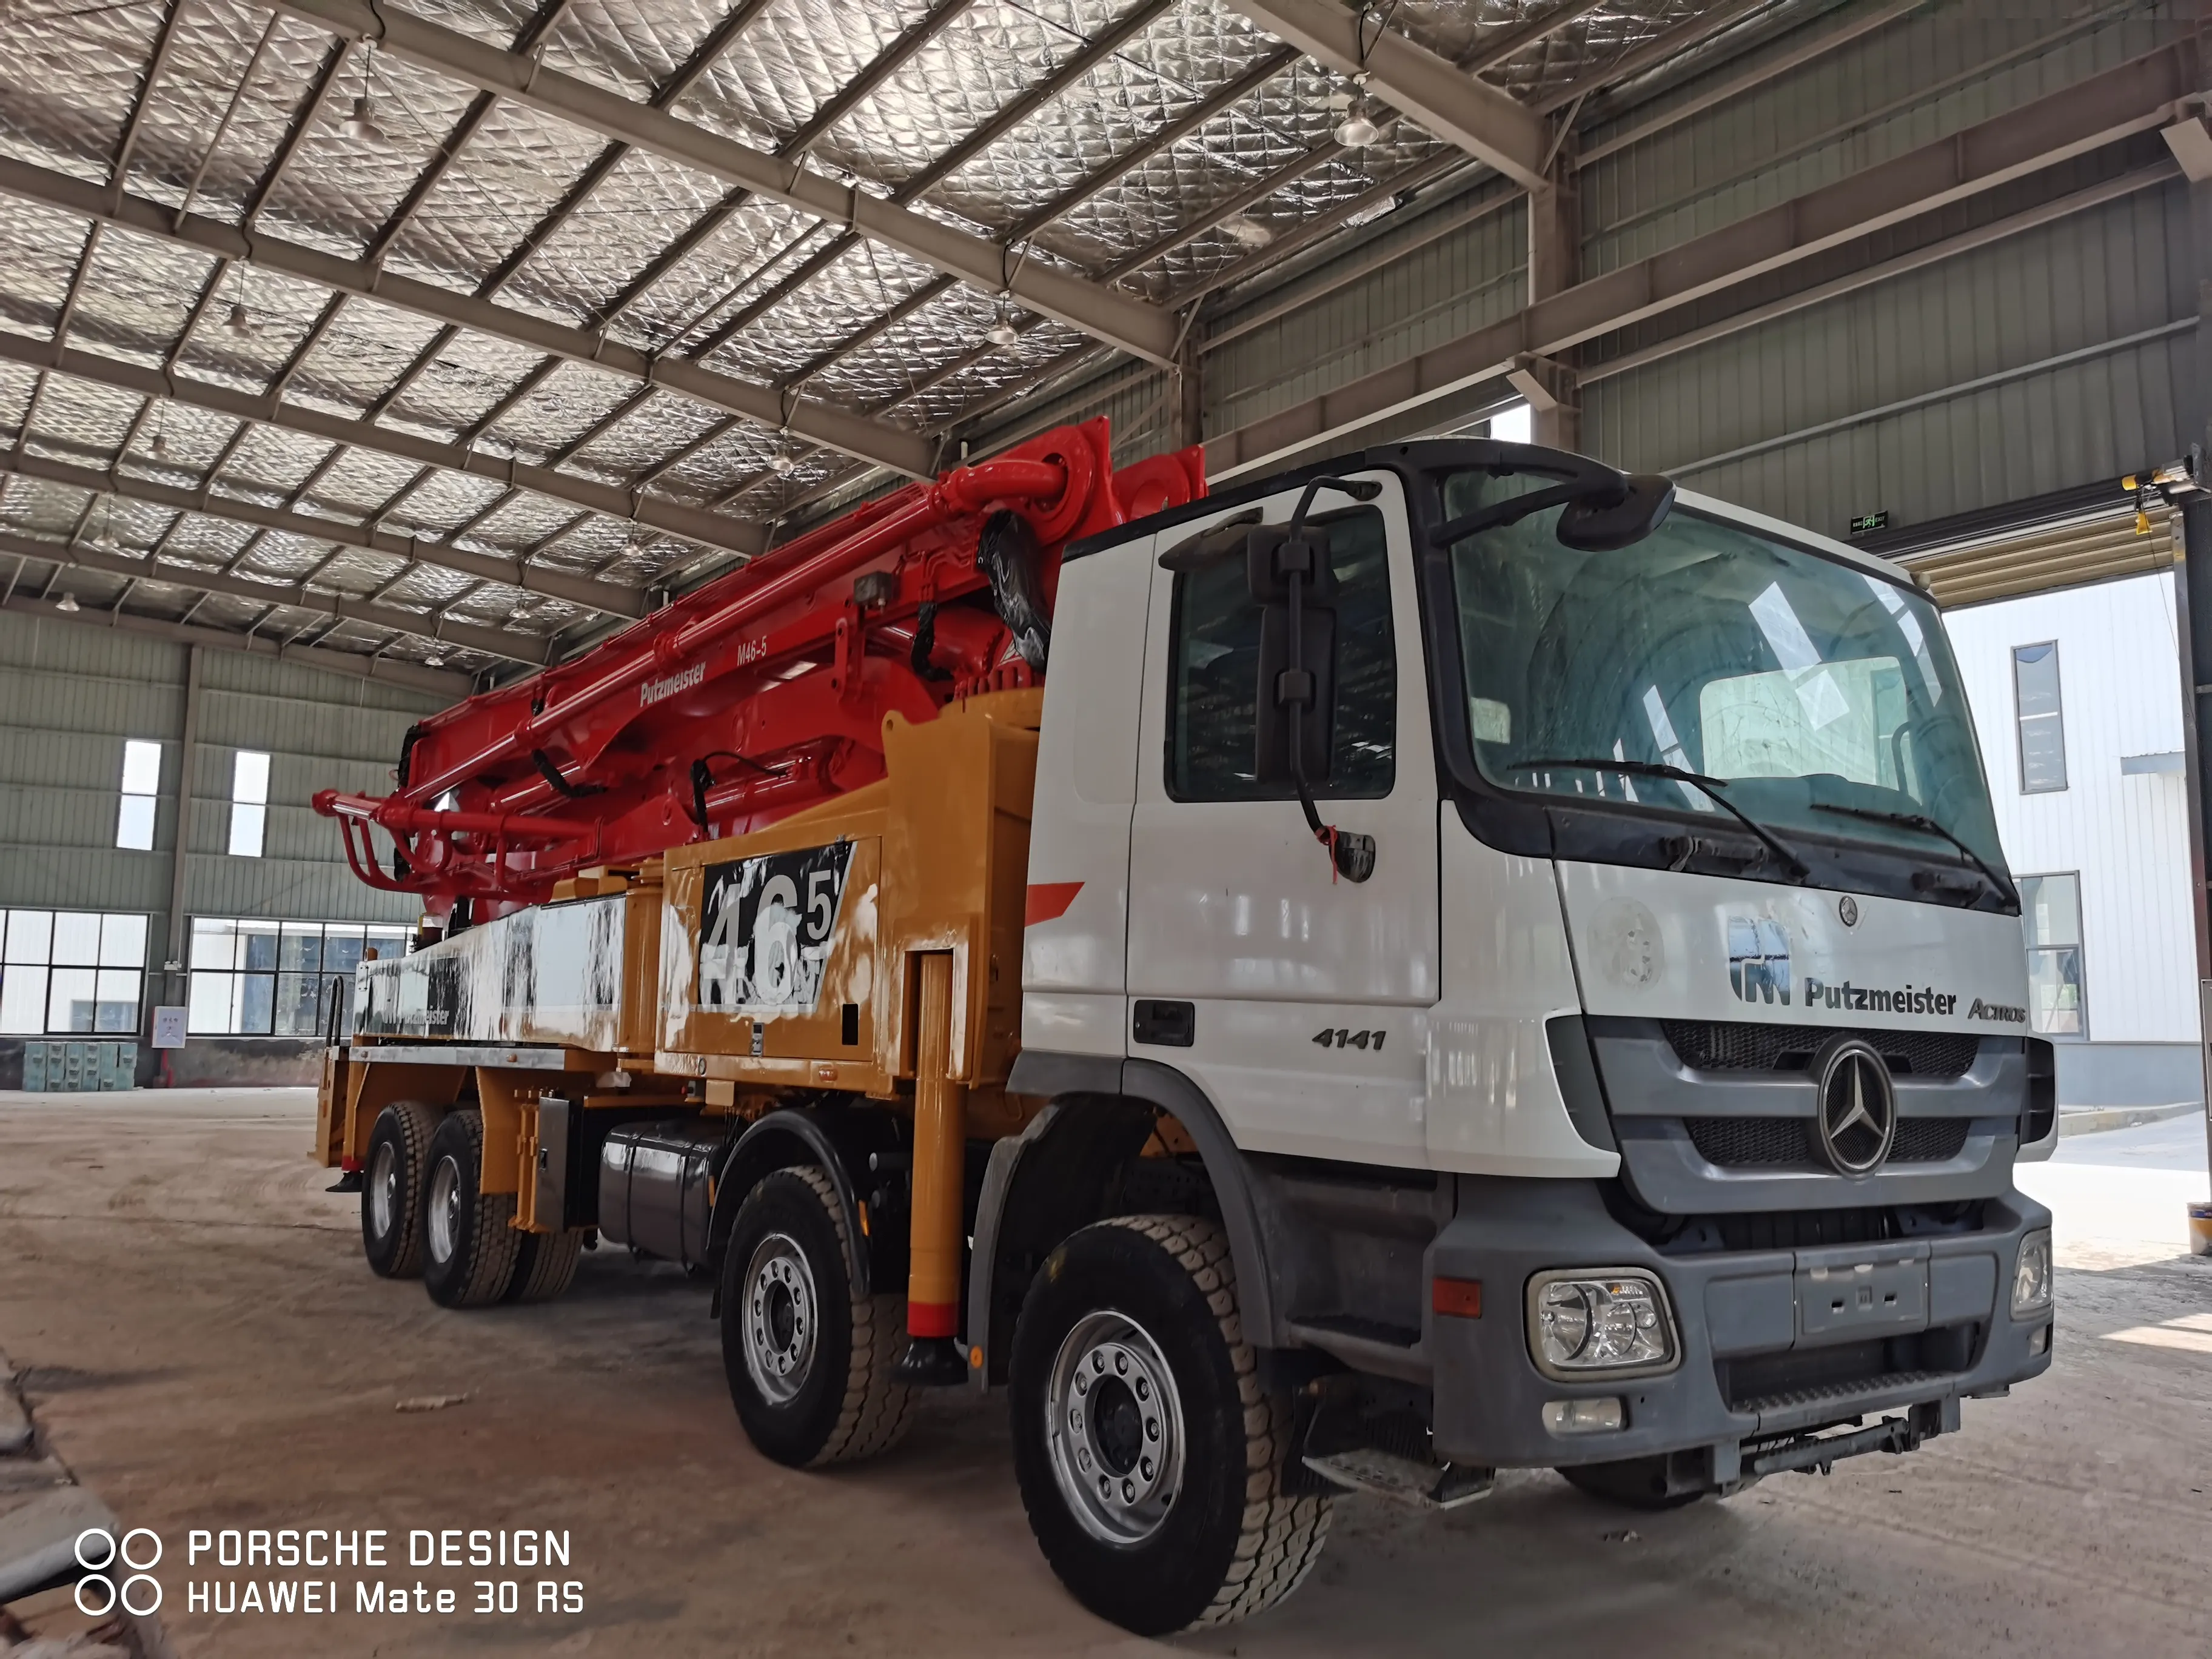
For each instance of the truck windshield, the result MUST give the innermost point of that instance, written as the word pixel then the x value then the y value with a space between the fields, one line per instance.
pixel 1800 683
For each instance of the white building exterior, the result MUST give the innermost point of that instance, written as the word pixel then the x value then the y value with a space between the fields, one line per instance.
pixel 2119 822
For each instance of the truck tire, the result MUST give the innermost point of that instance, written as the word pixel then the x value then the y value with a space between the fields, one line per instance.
pixel 468 1248
pixel 810 1364
pixel 1150 1458
pixel 545 1265
pixel 391 1189
pixel 1634 1483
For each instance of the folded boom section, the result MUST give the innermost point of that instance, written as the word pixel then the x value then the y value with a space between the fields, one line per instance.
pixel 760 693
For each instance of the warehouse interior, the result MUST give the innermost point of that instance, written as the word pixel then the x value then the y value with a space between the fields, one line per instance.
pixel 358 356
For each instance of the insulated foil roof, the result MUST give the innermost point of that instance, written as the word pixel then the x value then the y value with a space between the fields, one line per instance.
pixel 190 418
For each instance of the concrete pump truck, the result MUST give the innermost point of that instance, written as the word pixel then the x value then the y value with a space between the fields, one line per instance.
pixel 1450 959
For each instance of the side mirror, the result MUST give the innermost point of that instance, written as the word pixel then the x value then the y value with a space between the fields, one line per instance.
pixel 1603 524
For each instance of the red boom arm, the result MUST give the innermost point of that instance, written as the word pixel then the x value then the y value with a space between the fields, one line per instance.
pixel 761 693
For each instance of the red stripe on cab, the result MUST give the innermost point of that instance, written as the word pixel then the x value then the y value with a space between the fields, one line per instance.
pixel 1048 901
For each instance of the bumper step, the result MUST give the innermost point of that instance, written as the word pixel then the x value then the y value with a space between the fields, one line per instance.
pixel 1404 1480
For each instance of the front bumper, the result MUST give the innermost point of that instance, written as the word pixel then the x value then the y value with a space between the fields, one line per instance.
pixel 1762 1355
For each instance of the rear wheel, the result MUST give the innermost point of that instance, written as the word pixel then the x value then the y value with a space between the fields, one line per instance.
pixel 391 1189
pixel 469 1250
pixel 808 1362
pixel 1634 1483
pixel 1150 1457
pixel 545 1265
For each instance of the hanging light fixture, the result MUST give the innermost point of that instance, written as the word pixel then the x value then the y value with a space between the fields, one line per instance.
pixel 1245 231
pixel 240 323
pixel 360 126
pixel 782 462
pixel 1002 333
pixel 67 604
pixel 1358 128
pixel 1360 125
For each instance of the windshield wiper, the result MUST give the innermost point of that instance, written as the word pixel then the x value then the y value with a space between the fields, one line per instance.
pixel 1921 821
pixel 1712 787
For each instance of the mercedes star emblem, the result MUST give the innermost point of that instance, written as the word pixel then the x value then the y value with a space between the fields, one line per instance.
pixel 1857 1107
pixel 1848 908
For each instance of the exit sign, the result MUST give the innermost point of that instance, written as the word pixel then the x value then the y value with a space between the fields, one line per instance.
pixel 1867 523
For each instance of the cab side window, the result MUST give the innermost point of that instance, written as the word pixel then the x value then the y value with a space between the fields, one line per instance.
pixel 1214 667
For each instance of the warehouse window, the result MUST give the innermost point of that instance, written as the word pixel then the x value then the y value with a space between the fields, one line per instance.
pixel 1212 701
pixel 68 971
pixel 142 782
pixel 2042 724
pixel 249 803
pixel 278 978
pixel 2050 918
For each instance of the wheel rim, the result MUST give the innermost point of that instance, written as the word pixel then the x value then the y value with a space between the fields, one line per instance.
pixel 444 1209
pixel 383 1189
pixel 779 1327
pixel 1113 1428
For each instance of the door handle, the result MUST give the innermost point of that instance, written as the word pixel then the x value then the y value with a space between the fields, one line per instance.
pixel 1168 1024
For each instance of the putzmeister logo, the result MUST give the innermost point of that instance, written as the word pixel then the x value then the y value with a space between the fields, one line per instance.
pixel 653 691
pixel 1759 960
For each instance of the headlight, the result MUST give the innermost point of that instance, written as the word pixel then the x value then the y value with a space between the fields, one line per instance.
pixel 2031 1275
pixel 1580 1323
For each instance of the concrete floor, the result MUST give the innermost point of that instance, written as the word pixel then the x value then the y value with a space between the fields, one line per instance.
pixel 201 1344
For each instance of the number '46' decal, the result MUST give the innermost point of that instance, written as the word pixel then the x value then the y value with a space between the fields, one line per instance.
pixel 1337 1037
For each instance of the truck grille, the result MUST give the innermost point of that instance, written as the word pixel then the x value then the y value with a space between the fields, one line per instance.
pixel 1713 1045
pixel 1770 1142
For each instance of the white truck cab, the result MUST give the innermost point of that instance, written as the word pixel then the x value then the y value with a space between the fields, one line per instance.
pixel 1642 1096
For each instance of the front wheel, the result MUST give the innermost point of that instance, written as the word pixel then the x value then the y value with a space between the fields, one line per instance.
pixel 1150 1458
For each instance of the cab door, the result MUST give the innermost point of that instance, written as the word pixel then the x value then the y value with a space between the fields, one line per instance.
pixel 1295 997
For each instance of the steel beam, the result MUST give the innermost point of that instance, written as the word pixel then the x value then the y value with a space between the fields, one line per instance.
pixel 1441 222
pixel 1691 33
pixel 1131 325
pixel 818 422
pixel 296 135
pixel 887 64
pixel 464 133
pixel 1264 70
pixel 689 523
pixel 966 150
pixel 493 642
pixel 1496 48
pixel 188 750
pixel 1251 196
pixel 441 681
pixel 603 597
pixel 1489 124
pixel 1736 86
pixel 449 157
pixel 1096 53
pixel 165 40
pixel 2060 207
pixel 2133 97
